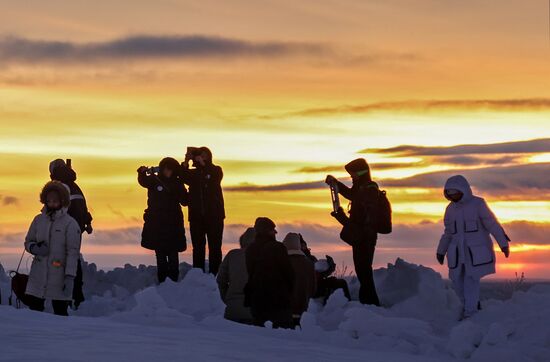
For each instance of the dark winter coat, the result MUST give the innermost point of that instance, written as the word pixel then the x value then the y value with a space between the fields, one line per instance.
pixel 78 208
pixel 270 275
pixel 163 228
pixel 205 193
pixel 363 196
pixel 305 283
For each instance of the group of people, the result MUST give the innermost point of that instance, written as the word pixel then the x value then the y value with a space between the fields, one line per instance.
pixel 264 280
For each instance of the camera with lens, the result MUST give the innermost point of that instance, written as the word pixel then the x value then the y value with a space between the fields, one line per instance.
pixel 193 152
pixel 152 170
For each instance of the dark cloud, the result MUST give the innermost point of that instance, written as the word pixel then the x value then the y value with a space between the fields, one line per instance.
pixel 423 106
pixel 296 186
pixel 374 166
pixel 519 147
pixel 9 200
pixel 509 179
pixel 18 49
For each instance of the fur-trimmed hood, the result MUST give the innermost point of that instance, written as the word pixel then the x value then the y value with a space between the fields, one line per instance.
pixel 60 188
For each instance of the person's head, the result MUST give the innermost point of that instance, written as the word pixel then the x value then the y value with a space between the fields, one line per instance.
pixel 55 196
pixel 247 238
pixel 56 164
pixel 202 158
pixel 303 245
pixel 359 170
pixel 265 227
pixel 292 243
pixel 457 189
pixel 168 167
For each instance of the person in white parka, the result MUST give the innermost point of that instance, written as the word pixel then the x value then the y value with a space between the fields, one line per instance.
pixel 467 242
pixel 54 240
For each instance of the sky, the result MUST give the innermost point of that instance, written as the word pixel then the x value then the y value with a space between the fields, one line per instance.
pixel 283 92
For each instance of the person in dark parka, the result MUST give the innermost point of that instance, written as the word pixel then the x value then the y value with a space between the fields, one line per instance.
pixel 270 278
pixel 78 210
pixel 163 229
pixel 206 208
pixel 363 196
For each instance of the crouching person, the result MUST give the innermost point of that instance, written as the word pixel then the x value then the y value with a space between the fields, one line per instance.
pixel 54 240
pixel 304 276
pixel 467 242
pixel 232 278
pixel 270 278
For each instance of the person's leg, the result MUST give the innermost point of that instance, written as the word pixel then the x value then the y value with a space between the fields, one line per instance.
pixel 60 307
pixel 215 237
pixel 258 316
pixel 162 265
pixel 173 266
pixel 198 239
pixel 471 296
pixel 34 303
pixel 458 285
pixel 282 318
pixel 363 257
pixel 78 294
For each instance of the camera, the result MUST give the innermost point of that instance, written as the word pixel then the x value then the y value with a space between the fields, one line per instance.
pixel 153 170
pixel 193 152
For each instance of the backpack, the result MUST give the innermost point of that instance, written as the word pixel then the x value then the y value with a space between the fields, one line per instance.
pixel 383 220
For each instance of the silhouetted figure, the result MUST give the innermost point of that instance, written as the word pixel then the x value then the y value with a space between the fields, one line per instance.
pixel 304 276
pixel 467 242
pixel 324 268
pixel 232 278
pixel 270 278
pixel 78 210
pixel 361 224
pixel 163 229
pixel 206 207
pixel 54 240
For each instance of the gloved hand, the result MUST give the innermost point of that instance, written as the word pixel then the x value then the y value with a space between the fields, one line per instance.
pixel 506 251
pixel 340 215
pixel 440 258
pixel 142 169
pixel 68 286
pixel 40 248
pixel 89 229
pixel 330 180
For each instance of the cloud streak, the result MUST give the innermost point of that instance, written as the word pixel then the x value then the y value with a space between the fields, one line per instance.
pixel 140 47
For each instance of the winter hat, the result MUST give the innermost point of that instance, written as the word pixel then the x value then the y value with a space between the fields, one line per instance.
pixel 169 163
pixel 61 189
pixel 264 225
pixel 247 238
pixel 359 165
pixel 208 154
pixel 293 245
pixel 56 163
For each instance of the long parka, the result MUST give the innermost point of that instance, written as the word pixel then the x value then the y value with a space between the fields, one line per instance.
pixel 468 226
pixel 163 228
pixel 60 232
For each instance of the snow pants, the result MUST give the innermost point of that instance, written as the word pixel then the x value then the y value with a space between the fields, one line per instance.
pixel 467 289
pixel 167 265
pixel 37 304
pixel 363 257
pixel 201 230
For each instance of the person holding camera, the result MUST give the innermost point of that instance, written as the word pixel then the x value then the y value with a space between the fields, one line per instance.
pixel 54 240
pixel 206 207
pixel 163 229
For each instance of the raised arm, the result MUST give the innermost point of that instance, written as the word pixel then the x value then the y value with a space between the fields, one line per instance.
pixel 143 179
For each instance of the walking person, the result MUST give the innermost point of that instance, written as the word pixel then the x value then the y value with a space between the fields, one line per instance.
pixel 369 209
pixel 163 228
pixel 232 278
pixel 467 242
pixel 54 240
pixel 206 207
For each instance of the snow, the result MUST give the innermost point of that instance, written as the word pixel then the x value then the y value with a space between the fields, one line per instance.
pixel 126 316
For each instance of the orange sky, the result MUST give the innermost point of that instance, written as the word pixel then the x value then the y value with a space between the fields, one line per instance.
pixel 283 92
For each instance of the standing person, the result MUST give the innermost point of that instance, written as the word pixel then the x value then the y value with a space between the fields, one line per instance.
pixel 163 229
pixel 54 240
pixel 361 224
pixel 304 276
pixel 206 207
pixel 232 278
pixel 78 210
pixel 467 242
pixel 270 278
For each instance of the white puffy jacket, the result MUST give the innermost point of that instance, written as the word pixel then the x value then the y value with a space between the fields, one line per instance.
pixel 62 234
pixel 467 240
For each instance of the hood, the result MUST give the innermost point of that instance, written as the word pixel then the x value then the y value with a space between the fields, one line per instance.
pixel 460 183
pixel 293 244
pixel 58 187
pixel 59 171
